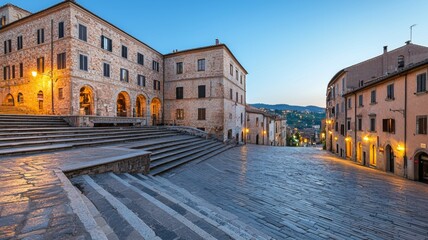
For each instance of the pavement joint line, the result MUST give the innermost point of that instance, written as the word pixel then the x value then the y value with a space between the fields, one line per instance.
pixel 79 207
pixel 145 231
pixel 165 208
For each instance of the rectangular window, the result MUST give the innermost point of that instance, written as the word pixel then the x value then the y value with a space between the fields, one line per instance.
pixel 179 94
pixel 106 43
pixel 372 124
pixel 360 124
pixel 231 94
pixel 201 113
pixel 19 44
pixel 236 97
pixel 201 91
pixel 373 97
pixel 155 66
pixel 349 103
pixel 21 70
pixel 141 80
pixel 348 124
pixel 336 127
pixel 6 72
pixel 388 125
pixel 241 78
pixel 201 64
pixel 61 61
pixel 242 99
pixel 83 62
pixel 140 58
pixel 342 129
pixel 60 29
pixel 3 21
pixel 60 93
pixel 40 36
pixel 7 46
pixel 390 92
pixel 41 65
pixel 179 68
pixel 421 83
pixel 83 34
pixel 236 75
pixel 124 75
pixel 360 101
pixel 13 71
pixel 421 124
pixel 106 70
pixel 124 51
pixel 179 114
pixel 156 85
pixel 231 69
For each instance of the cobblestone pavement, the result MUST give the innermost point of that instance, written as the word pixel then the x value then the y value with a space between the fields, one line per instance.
pixel 306 193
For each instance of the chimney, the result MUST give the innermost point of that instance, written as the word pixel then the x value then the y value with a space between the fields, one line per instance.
pixel 385 49
pixel 385 61
pixel 407 42
pixel 217 42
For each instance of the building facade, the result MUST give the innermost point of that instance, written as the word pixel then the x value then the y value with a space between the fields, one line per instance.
pixel 375 115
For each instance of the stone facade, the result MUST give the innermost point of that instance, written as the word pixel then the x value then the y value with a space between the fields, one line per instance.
pixel 366 124
pixel 260 127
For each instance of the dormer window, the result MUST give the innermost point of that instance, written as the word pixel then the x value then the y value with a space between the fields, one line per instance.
pixel 400 61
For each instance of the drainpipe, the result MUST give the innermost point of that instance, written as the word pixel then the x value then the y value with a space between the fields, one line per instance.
pixel 163 90
pixel 405 126
pixel 51 75
pixel 355 127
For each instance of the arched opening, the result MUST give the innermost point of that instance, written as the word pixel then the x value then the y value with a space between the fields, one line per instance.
pixel 123 105
pixel 257 139
pixel 229 134
pixel 40 99
pixel 86 101
pixel 373 155
pixel 348 149
pixel 20 98
pixel 390 161
pixel 140 106
pixel 421 168
pixel 155 106
pixel 9 101
pixel 359 152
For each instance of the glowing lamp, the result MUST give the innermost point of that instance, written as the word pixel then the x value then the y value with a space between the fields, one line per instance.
pixel 366 138
pixel 34 73
pixel 400 148
pixel 247 130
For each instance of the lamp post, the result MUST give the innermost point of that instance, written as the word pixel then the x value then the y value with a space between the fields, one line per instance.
pixel 50 75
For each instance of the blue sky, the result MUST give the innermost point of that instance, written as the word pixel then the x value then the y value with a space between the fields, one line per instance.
pixel 291 49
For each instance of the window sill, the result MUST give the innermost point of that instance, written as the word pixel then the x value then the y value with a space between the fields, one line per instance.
pixel 373 103
pixel 389 99
pixel 420 93
pixel 361 106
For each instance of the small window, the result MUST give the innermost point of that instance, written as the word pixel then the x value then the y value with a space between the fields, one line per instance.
pixel 140 58
pixel 60 29
pixel 13 71
pixel 21 70
pixel 124 51
pixel 19 43
pixel 349 103
pixel 179 94
pixel 106 43
pixel 231 94
pixel 20 98
pixel 201 64
pixel 372 124
pixel 421 83
pixel 241 79
pixel 179 114
pixel 201 91
pixel 83 62
pixel 61 61
pixel 40 36
pixel 3 21
pixel 373 97
pixel 231 69
pixel 388 125
pixel 342 129
pixel 360 124
pixel 390 92
pixel 421 124
pixel 41 65
pixel 141 80
pixel 8 46
pixel 83 35
pixel 360 101
pixel 236 75
pixel 242 99
pixel 124 75
pixel 155 66
pixel 156 85
pixel 179 67
pixel 236 96
pixel 348 124
pixel 336 127
pixel 201 113
pixel 60 93
pixel 106 70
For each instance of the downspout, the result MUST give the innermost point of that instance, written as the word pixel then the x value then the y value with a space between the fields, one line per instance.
pixel 405 126
pixel 163 90
pixel 355 127
pixel 346 126
pixel 51 75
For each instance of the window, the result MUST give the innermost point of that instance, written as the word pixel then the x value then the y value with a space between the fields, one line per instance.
pixel 7 46
pixel 361 83
pixel 360 101
pixel 20 98
pixel 201 113
pixel 390 92
pixel 257 121
pixel 61 61
pixel 21 70
pixel 373 97
pixel 201 64
pixel 231 69
pixel 372 124
pixel 236 97
pixel 3 21
pixel 201 91
pixel 179 94
pixel 179 114
pixel 348 124
pixel 6 72
pixel 421 83
pixel 360 124
pixel 40 36
pixel 106 70
pixel 242 118
pixel 83 62
pixel 421 124
pixel 342 129
pixel 242 99
pixel 231 94
pixel 141 80
pixel 60 93
pixel 83 35
pixel 236 75
pixel 13 71
pixel 156 85
pixel 388 125
pixel 336 127
pixel 106 43
pixel 241 78
pixel 124 51
pixel 19 43
pixel 140 58
pixel 60 29
pixel 349 103
pixel 155 66
pixel 41 65
pixel 124 75
pixel 179 67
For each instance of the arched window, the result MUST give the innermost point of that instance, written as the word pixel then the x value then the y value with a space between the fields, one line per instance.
pixel 20 98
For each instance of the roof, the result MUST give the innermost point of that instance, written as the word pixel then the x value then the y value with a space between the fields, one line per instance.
pixel 12 5
pixel 206 48
pixel 251 109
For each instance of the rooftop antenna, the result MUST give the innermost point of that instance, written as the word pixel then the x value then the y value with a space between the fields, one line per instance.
pixel 411 32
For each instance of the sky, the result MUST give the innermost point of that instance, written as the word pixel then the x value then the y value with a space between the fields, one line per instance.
pixel 290 48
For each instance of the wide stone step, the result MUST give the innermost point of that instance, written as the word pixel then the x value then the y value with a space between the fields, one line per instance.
pixel 30 126
pixel 45 120
pixel 159 158
pixel 24 116
pixel 174 150
pixel 54 130
pixel 34 149
pixel 159 146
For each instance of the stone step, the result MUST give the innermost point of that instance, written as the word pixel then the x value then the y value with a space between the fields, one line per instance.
pixel 28 126
pixel 154 147
pixel 12 119
pixel 25 116
pixel 172 151
pixel 142 144
pixel 52 130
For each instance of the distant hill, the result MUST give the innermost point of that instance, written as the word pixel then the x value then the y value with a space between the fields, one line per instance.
pixel 282 107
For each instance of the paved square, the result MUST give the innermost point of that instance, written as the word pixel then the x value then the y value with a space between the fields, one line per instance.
pixel 307 193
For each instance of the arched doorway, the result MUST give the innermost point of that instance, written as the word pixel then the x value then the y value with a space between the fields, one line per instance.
pixel 359 151
pixel 40 99
pixel 348 149
pixel 123 105
pixel 9 101
pixel 155 106
pixel 373 155
pixel 422 167
pixel 140 106
pixel 390 161
pixel 86 101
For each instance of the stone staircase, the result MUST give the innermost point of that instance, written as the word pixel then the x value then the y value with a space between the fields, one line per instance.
pixel 4 109
pixel 135 206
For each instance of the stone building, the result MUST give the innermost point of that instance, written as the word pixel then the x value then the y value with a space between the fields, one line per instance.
pixel 65 60
pixel 205 88
pixel 258 123
pixel 375 115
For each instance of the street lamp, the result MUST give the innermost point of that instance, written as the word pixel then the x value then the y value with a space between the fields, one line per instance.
pixel 34 74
